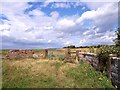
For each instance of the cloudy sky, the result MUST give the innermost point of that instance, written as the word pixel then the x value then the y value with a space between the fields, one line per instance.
pixel 32 25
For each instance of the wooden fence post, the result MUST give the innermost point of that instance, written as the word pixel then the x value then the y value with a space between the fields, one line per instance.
pixel 77 55
pixel 109 65
pixel 45 53
pixel 67 53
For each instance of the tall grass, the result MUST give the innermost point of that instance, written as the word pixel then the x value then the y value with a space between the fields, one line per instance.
pixel 85 76
pixel 51 74
pixel 53 55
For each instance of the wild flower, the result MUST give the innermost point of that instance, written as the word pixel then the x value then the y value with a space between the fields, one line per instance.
pixel 100 78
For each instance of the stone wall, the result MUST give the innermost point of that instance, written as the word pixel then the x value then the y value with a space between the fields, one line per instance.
pixel 14 54
pixel 114 71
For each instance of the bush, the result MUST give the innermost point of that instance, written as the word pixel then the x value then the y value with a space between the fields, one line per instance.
pixel 118 51
pixel 51 56
pixel 61 57
pixel 54 56
pixel 104 51
pixel 103 55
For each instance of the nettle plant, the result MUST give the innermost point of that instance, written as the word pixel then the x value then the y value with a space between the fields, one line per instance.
pixel 104 51
pixel 117 51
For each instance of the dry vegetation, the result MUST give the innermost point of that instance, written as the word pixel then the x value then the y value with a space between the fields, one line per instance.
pixel 35 73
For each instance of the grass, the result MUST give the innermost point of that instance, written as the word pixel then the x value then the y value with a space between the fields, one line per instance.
pixel 3 52
pixel 56 54
pixel 38 50
pixel 85 76
pixel 30 73
pixel 92 50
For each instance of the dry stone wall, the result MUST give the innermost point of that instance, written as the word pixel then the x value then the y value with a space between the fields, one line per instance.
pixel 14 54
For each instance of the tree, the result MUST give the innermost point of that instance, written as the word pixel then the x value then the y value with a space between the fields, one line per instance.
pixel 117 40
pixel 71 46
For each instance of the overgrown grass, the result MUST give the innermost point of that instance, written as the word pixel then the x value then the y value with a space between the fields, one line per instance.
pixel 30 73
pixel 85 76
pixel 3 52
pixel 56 55
pixel 23 77
pixel 38 50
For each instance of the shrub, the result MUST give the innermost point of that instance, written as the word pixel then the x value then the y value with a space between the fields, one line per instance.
pixel 51 56
pixel 61 57
pixel 103 55
pixel 104 51
pixel 54 56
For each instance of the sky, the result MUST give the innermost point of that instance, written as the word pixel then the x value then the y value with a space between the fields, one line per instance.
pixel 48 24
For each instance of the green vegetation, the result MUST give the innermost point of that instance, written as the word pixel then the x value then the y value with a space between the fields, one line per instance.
pixel 91 49
pixel 3 52
pixel 54 73
pixel 37 50
pixel 55 55
pixel 71 46
pixel 117 40
pixel 97 46
pixel 103 52
pixel 85 76
pixel 30 73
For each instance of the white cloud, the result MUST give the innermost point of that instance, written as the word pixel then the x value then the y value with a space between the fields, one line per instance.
pixel 60 5
pixel 36 13
pixel 54 14
pixel 101 17
pixel 65 23
pixel 11 7
pixel 49 41
pixel 83 8
pixel 68 43
pixel 82 41
pixel 19 0
pixel 4 27
pixel 110 8
pixel 96 5
pixel 42 29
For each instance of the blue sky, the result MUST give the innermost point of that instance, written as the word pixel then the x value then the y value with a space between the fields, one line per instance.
pixel 35 25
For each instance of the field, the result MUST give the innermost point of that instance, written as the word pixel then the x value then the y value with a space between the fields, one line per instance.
pixel 51 72
pixel 41 73
pixel 4 52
